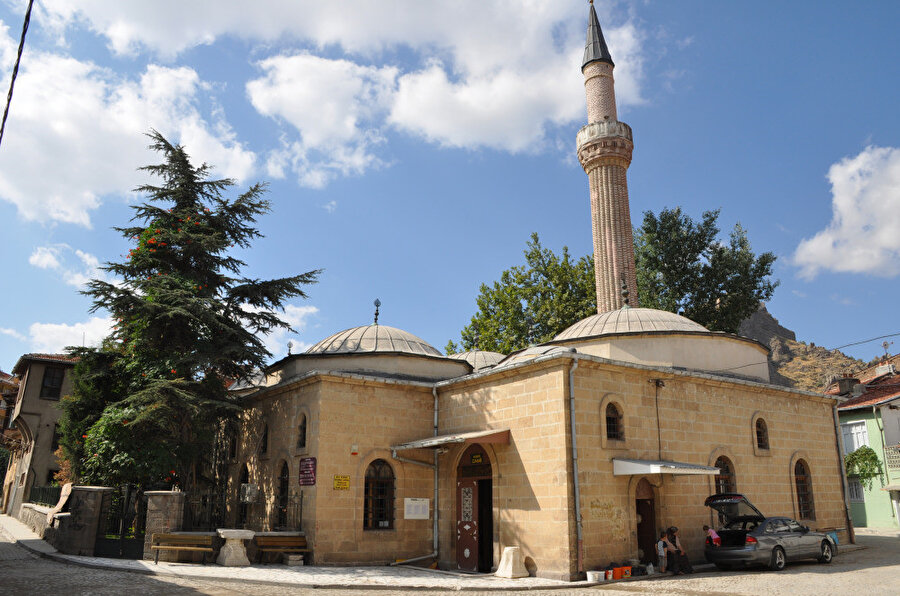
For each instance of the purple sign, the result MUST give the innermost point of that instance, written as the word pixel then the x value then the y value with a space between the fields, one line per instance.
pixel 308 471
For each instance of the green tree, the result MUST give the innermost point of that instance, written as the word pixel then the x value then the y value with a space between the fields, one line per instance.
pixel 864 465
pixel 187 322
pixel 683 268
pixel 531 303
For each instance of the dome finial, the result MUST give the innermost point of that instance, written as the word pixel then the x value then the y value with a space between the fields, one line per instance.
pixel 377 304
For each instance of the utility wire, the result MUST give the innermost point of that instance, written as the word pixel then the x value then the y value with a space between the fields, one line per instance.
pixel 15 71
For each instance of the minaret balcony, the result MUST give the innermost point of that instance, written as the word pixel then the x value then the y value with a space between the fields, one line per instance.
pixel 607 142
pixel 601 130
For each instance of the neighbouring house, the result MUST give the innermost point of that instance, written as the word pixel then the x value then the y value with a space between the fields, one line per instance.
pixel 870 415
pixel 577 451
pixel 32 427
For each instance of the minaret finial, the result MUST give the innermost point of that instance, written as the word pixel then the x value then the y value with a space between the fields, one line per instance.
pixel 377 304
pixel 595 49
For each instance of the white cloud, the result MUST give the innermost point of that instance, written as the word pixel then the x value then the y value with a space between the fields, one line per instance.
pixel 297 317
pixel 864 233
pixel 75 133
pixel 336 106
pixel 58 258
pixel 12 333
pixel 474 73
pixel 330 206
pixel 55 337
pixel 45 257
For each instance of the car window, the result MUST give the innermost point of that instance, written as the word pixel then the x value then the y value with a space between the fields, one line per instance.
pixel 794 526
pixel 779 525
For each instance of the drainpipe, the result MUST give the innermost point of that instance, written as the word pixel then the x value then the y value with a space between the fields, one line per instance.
pixel 843 473
pixel 434 531
pixel 578 527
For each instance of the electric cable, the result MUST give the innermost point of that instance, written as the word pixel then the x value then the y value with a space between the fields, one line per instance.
pixel 15 72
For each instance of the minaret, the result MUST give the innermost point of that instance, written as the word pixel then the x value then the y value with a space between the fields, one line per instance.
pixel 604 149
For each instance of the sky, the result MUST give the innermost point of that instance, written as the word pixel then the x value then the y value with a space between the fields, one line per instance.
pixel 412 147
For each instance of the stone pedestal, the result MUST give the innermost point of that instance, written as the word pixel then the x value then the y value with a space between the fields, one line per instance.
pixel 512 563
pixel 293 560
pixel 165 514
pixel 233 553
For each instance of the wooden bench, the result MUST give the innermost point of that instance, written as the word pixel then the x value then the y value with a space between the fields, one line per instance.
pixel 190 542
pixel 280 544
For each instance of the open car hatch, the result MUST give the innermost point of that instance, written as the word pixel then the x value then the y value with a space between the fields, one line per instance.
pixel 733 507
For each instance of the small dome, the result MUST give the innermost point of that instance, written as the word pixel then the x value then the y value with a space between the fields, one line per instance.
pixel 479 359
pixel 629 320
pixel 373 339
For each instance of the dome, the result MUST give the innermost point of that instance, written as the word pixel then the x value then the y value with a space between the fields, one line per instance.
pixel 370 339
pixel 630 320
pixel 479 359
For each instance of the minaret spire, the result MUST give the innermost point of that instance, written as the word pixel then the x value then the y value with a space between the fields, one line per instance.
pixel 604 149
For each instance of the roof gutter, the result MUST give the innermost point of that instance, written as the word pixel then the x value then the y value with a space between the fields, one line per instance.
pixel 434 524
pixel 843 474
pixel 578 526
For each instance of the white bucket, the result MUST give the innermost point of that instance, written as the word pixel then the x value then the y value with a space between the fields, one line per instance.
pixel 595 576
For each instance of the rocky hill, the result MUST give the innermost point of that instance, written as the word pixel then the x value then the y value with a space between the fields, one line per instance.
pixel 796 363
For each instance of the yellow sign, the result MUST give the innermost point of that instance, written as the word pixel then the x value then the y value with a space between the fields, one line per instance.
pixel 476 458
pixel 341 482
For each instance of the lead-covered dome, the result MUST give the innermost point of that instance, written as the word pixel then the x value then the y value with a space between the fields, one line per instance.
pixel 479 359
pixel 369 339
pixel 630 320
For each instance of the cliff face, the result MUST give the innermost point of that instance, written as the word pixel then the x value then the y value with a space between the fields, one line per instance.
pixel 796 363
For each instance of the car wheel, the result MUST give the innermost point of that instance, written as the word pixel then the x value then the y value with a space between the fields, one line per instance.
pixel 827 552
pixel 778 559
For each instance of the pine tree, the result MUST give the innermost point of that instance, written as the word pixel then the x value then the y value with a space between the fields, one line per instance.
pixel 187 321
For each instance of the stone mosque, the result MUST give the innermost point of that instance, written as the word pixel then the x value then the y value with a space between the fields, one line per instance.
pixel 577 451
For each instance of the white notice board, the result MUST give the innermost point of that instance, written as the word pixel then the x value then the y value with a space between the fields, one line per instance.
pixel 416 508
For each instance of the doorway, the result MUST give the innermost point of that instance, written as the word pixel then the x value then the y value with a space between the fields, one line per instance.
pixel 474 511
pixel 646 521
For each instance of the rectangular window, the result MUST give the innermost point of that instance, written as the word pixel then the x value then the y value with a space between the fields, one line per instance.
pixel 854 435
pixel 52 383
pixel 857 495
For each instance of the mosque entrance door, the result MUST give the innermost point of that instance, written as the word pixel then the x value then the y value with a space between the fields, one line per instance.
pixel 646 524
pixel 474 511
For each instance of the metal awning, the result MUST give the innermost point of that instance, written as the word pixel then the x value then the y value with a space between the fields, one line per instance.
pixel 892 487
pixel 497 437
pixel 631 467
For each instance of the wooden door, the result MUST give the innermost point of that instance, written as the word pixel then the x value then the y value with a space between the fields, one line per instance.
pixel 467 524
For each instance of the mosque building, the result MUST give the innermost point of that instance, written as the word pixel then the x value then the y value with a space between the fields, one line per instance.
pixel 577 450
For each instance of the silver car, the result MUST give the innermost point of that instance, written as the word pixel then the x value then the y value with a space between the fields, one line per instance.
pixel 749 538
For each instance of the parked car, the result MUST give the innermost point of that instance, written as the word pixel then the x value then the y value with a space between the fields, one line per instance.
pixel 750 538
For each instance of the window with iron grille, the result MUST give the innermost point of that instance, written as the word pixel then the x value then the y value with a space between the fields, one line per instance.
pixel 803 480
pixel 725 478
pixel 51 385
pixel 378 513
pixel 264 442
pixel 615 429
pixel 857 495
pixel 301 432
pixel 762 434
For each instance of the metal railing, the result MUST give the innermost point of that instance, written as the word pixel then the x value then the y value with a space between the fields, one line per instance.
pixel 45 495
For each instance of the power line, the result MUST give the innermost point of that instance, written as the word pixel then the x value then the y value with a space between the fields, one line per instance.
pixel 865 341
pixel 15 72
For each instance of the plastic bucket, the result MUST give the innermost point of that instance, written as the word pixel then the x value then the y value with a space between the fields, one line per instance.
pixel 609 574
pixel 626 571
pixel 596 576
pixel 834 538
pixel 617 572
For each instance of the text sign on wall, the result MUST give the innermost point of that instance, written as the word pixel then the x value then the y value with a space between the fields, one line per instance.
pixel 341 482
pixel 416 508
pixel 307 471
pixel 476 458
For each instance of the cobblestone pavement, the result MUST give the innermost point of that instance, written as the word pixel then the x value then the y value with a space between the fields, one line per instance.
pixel 873 570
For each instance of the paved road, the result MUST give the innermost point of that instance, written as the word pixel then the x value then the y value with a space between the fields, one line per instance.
pixel 875 570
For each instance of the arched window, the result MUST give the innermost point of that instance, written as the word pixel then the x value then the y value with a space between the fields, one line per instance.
pixel 301 432
pixel 615 427
pixel 378 509
pixel 762 434
pixel 283 487
pixel 264 441
pixel 803 480
pixel 725 478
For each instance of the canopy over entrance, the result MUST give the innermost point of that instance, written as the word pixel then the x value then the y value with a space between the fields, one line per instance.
pixel 497 437
pixel 632 467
